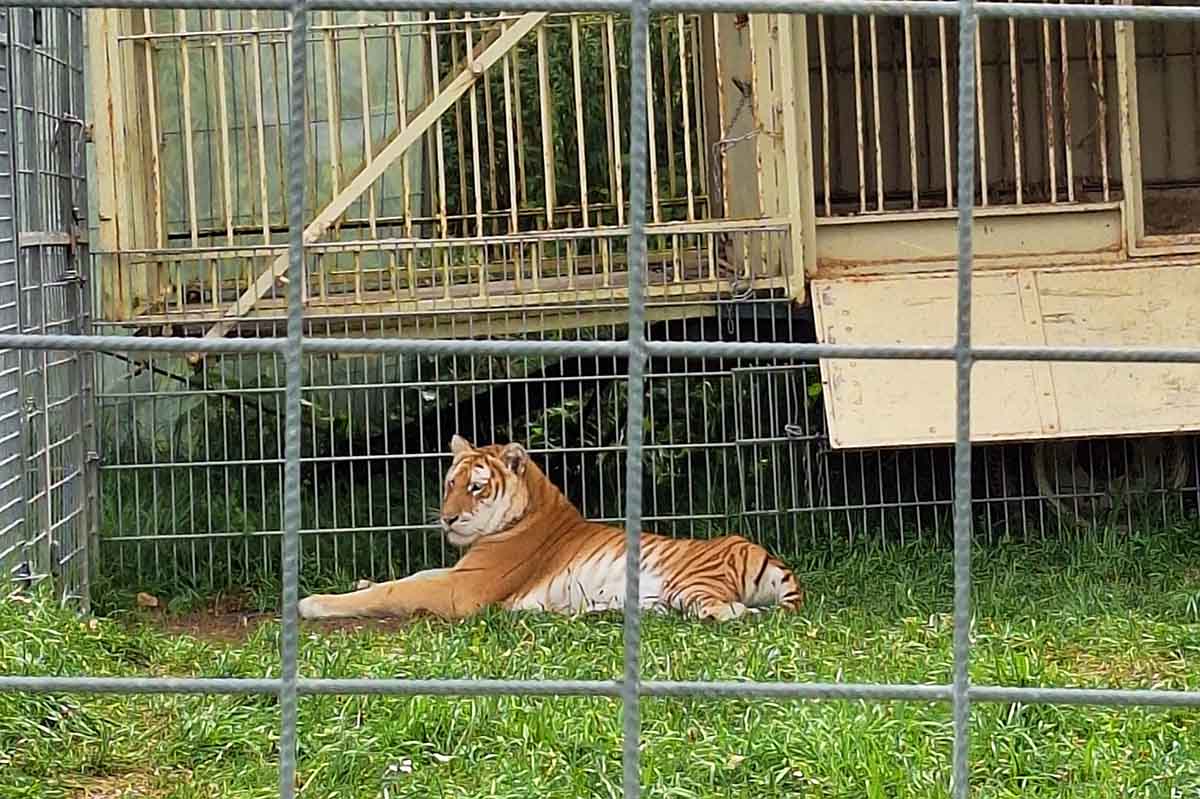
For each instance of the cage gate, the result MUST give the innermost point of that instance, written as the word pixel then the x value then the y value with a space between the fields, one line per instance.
pixel 47 477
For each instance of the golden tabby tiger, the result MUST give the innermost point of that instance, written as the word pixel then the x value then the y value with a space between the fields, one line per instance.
pixel 528 548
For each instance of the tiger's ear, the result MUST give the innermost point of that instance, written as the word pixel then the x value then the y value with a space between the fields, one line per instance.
pixel 459 445
pixel 515 457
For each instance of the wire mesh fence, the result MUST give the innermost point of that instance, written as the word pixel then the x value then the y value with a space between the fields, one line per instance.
pixel 193 460
pixel 48 407
pixel 49 343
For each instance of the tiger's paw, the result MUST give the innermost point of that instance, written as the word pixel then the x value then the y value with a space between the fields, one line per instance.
pixel 722 611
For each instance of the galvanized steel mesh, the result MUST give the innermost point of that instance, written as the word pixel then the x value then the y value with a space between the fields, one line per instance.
pixel 53 343
pixel 45 399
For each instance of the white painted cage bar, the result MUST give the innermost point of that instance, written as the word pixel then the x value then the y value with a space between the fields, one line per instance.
pixel 631 688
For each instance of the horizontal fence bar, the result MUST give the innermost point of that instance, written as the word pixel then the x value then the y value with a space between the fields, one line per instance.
pixel 236 346
pixel 677 349
pixel 359 687
pixel 139 685
pixel 918 8
pixel 1107 697
pixel 797 690
pixel 899 692
pixel 918 352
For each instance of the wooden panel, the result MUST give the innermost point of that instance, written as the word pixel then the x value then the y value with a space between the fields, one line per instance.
pixel 880 403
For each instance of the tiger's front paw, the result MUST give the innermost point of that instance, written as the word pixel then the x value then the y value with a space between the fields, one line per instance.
pixel 310 608
pixel 722 611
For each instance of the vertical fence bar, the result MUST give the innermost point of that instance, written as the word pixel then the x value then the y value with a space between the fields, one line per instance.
pixel 967 42
pixel 638 44
pixel 295 333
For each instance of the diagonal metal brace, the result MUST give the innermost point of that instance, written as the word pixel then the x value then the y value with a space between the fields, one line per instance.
pixel 488 52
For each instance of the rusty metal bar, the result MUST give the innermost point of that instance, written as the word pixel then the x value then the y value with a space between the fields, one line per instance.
pixel 368 144
pixel 858 117
pixel 1068 142
pixel 823 59
pixel 510 125
pixel 982 128
pixel 615 154
pixel 439 142
pixel 664 36
pixel 652 148
pixel 912 124
pixel 1049 109
pixel 580 144
pixel 473 105
pixel 1014 95
pixel 688 178
pixel 946 146
pixel 877 122
pixel 188 144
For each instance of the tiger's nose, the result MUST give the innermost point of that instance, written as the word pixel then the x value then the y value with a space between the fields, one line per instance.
pixel 449 520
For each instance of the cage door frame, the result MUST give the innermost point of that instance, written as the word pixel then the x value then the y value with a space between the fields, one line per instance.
pixel 1138 242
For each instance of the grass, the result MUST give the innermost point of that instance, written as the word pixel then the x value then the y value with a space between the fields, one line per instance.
pixel 1104 611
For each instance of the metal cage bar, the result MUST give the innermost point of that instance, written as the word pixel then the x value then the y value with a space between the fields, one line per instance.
pixel 630 689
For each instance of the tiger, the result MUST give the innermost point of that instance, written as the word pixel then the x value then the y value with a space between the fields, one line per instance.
pixel 526 547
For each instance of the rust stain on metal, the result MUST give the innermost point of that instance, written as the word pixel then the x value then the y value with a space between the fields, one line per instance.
pixel 1015 102
pixel 1048 110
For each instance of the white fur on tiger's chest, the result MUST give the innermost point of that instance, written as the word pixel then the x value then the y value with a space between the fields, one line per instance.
pixel 596 585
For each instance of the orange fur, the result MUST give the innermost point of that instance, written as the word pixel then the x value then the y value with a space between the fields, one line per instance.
pixel 528 547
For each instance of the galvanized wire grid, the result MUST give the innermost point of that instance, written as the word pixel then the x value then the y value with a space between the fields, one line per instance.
pixel 630 688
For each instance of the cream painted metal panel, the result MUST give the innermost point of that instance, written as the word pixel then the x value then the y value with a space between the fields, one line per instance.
pixel 874 403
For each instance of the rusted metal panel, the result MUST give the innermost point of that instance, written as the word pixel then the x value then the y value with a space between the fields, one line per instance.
pixel 880 403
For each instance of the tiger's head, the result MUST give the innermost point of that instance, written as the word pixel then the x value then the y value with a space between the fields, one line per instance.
pixel 484 492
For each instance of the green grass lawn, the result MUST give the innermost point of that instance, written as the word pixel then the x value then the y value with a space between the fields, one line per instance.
pixel 1106 611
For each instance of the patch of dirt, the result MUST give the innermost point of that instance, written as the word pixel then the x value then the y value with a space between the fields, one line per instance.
pixel 225 628
pixel 227 620
pixel 114 786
